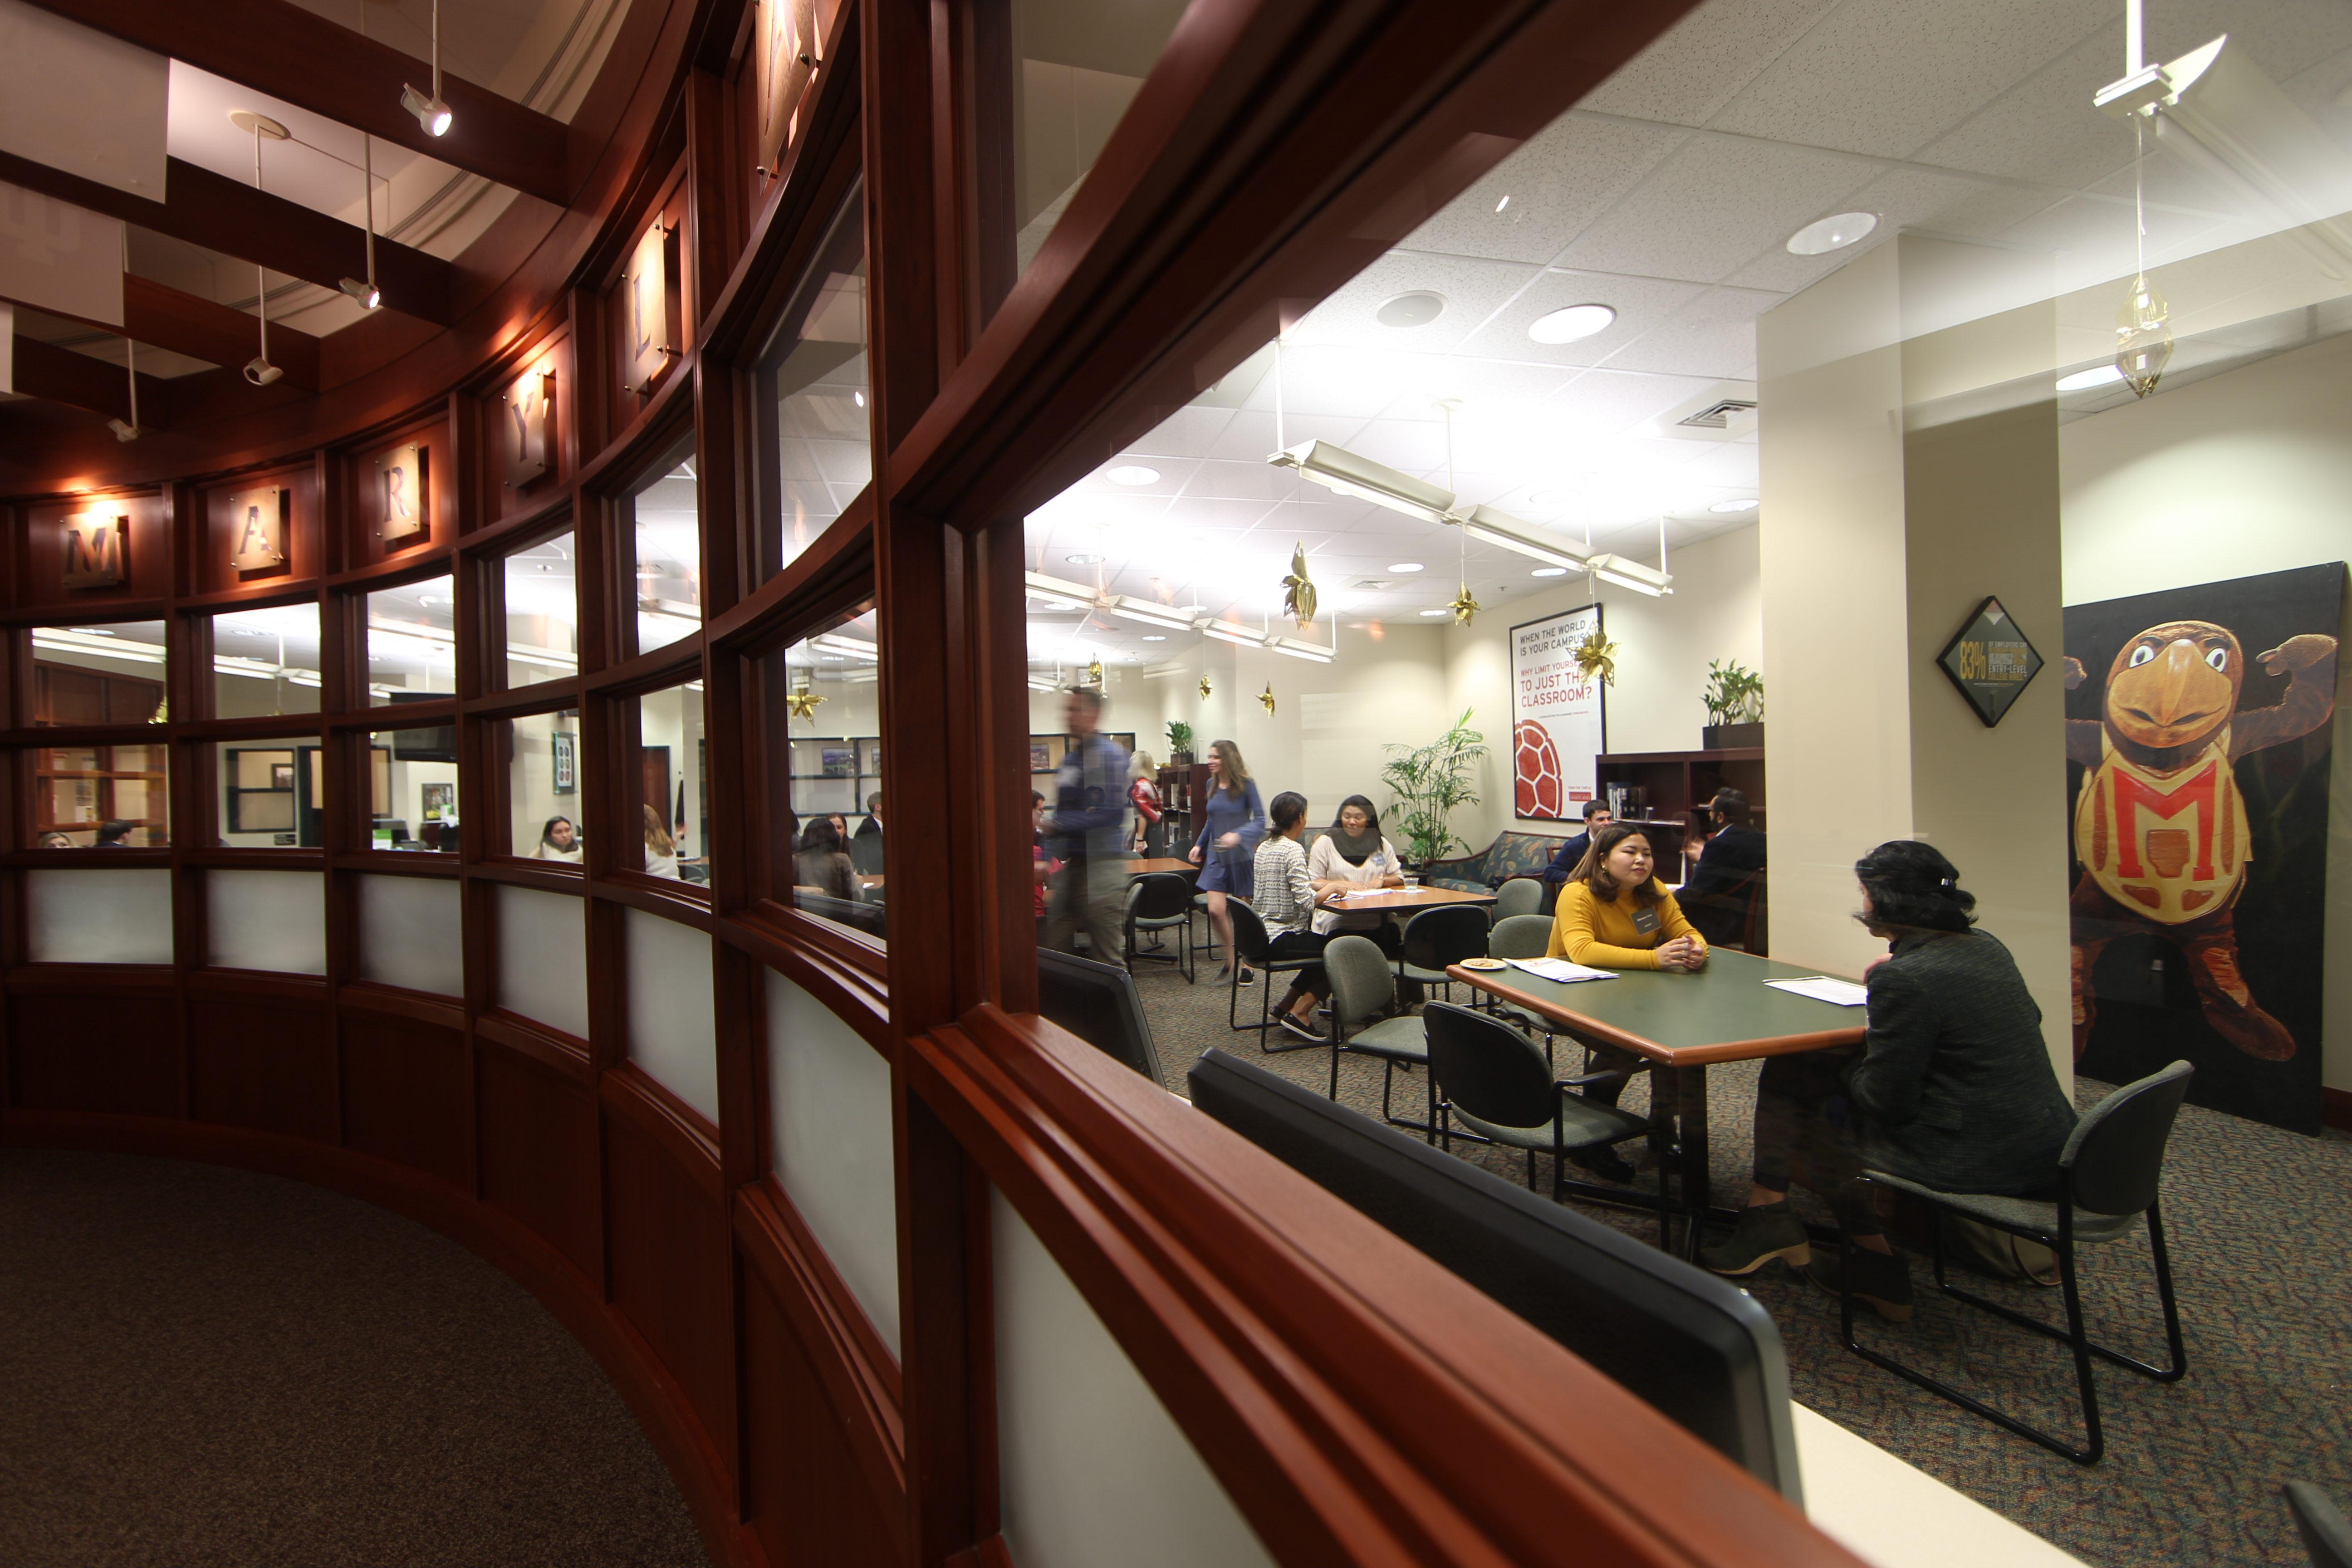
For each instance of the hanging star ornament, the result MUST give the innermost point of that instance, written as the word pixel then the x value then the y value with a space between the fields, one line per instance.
pixel 802 704
pixel 1094 673
pixel 1297 591
pixel 1596 656
pixel 1464 606
pixel 1204 689
pixel 1265 698
pixel 2143 340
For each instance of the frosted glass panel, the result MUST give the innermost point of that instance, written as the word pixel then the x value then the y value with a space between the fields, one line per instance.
pixel 829 1128
pixel 671 1035
pixel 269 919
pixel 409 933
pixel 98 917
pixel 1091 1469
pixel 542 958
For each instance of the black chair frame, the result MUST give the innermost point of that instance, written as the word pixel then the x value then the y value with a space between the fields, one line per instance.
pixel 2074 1335
pixel 1183 957
pixel 1266 968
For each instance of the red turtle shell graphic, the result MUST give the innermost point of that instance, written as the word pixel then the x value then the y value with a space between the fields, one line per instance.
pixel 1542 787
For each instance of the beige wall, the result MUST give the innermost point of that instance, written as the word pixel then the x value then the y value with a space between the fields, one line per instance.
pixel 2237 475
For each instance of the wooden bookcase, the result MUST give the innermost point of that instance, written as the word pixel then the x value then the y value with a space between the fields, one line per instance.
pixel 75 788
pixel 1671 784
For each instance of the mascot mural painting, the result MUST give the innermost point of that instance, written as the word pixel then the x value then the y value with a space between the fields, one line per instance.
pixel 2198 743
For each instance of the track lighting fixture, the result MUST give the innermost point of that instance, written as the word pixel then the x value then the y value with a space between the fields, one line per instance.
pixel 430 112
pixel 365 293
pixel 258 370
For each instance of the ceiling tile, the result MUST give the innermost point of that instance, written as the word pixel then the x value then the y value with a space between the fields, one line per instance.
pixel 1602 402
pixel 1249 437
pixel 1713 205
pixel 1715 336
pixel 1640 303
pixel 1695 66
pixel 1471 288
pixel 1563 178
pixel 2044 128
pixel 1187 433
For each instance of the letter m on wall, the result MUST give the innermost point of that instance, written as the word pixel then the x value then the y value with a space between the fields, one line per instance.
pixel 95 550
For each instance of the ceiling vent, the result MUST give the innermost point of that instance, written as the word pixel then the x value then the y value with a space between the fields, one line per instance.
pixel 1720 414
pixel 1374 584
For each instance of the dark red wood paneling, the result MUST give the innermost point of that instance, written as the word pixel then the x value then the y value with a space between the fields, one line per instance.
pixel 119 1054
pixel 270 1068
pixel 537 1146
pixel 669 1260
pixel 406 1094
pixel 803 1493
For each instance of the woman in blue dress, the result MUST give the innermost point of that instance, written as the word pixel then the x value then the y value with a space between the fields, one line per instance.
pixel 1233 820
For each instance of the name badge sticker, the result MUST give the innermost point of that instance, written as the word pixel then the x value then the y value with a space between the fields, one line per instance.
pixel 1646 921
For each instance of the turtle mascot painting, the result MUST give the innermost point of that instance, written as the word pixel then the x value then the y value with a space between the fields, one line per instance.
pixel 2194 830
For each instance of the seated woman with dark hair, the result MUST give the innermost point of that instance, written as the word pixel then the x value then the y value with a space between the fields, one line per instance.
pixel 1953 1088
pixel 1284 895
pixel 822 862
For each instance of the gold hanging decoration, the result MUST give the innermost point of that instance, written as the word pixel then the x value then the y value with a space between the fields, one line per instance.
pixel 1298 593
pixel 1596 656
pixel 2143 340
pixel 1265 698
pixel 1464 606
pixel 1204 689
pixel 1095 674
pixel 802 704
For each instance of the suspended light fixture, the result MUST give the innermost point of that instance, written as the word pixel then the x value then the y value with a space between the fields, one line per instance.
pixel 1501 528
pixel 1654 581
pixel 365 290
pixel 430 112
pixel 131 356
pixel 258 370
pixel 1344 473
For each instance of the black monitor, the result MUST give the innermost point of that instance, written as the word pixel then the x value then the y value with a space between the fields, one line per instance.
pixel 1704 1352
pixel 1097 1001
pixel 438 744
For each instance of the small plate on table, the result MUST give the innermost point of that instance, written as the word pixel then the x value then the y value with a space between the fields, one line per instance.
pixel 1483 964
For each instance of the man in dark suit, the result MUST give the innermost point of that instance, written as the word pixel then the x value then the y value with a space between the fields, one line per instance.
pixel 1563 865
pixel 866 844
pixel 1725 881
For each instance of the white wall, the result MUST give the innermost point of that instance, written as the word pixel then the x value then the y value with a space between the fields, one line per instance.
pixel 2234 476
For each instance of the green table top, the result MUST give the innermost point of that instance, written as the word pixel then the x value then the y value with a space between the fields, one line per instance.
pixel 1724 1013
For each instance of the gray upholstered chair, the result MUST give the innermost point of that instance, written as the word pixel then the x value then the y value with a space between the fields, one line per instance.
pixel 1363 994
pixel 2108 1176
pixel 1519 897
pixel 1250 945
pixel 1160 900
pixel 1441 936
pixel 1522 936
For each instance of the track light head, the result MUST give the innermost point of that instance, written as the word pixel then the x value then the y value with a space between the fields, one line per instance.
pixel 367 294
pixel 430 112
pixel 260 372
pixel 123 432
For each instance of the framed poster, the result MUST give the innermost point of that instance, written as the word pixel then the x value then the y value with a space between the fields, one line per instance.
pixel 838 762
pixel 1990 662
pixel 438 800
pixel 1041 757
pixel 1559 717
pixel 2198 749
pixel 403 503
pixel 98 549
pixel 645 288
pixel 257 523
pixel 528 425
pixel 564 747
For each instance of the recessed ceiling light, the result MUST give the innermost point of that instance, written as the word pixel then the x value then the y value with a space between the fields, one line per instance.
pixel 1416 308
pixel 1437 612
pixel 2083 380
pixel 1133 474
pixel 1833 233
pixel 1548 571
pixel 1738 503
pixel 1565 326
pixel 858 398
pixel 1404 567
pixel 1155 637
pixel 1083 560
pixel 1501 205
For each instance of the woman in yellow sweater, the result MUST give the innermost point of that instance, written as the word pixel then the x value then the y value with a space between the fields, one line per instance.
pixel 1613 913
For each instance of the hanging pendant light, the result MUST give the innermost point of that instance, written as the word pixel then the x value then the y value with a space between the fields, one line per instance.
pixel 430 112
pixel 129 432
pixel 364 290
pixel 258 370
pixel 2143 338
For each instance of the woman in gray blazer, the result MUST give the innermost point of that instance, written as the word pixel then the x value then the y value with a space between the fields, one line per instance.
pixel 1953 1087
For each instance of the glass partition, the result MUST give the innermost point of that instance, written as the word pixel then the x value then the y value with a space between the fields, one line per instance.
pixel 89 673
pixel 542 613
pixel 665 530
pixel 103 797
pixel 544 787
pixel 673 796
pixel 412 642
pixel 265 662
pixel 413 789
pixel 821 703
pixel 271 794
pixel 813 383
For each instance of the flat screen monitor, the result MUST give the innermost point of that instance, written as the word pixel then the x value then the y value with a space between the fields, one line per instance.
pixel 1704 1352
pixel 1097 1001
pixel 438 744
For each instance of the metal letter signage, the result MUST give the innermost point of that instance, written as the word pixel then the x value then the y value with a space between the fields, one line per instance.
pixel 648 285
pixel 404 504
pixel 1989 660
pixel 97 549
pixel 257 524
pixel 529 425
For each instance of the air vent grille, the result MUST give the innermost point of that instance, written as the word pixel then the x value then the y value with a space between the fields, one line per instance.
pixel 1719 414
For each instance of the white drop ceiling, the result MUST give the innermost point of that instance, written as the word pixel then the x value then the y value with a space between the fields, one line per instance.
pixel 1669 194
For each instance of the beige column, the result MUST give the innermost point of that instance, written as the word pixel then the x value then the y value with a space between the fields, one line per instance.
pixel 1909 451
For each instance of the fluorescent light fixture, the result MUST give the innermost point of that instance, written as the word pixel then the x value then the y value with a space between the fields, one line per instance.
pixel 1405 566
pixel 1515 534
pixel 1832 233
pixel 51 639
pixel 430 112
pixel 1439 612
pixel 1632 575
pixel 1147 611
pixel 2083 380
pixel 1240 636
pixel 1085 558
pixel 1565 326
pixel 849 648
pixel 1154 637
pixel 1548 571
pixel 1133 474
pixel 364 292
pixel 1058 595
pixel 1295 649
pixel 1344 473
pixel 1738 503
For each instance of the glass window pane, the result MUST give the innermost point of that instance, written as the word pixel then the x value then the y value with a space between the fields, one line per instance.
pixel 673 794
pixel 266 661
pixel 88 673
pixel 91 916
pixel 413 789
pixel 669 537
pixel 543 613
pixel 822 730
pixel 270 794
pixel 268 920
pixel 102 797
pixel 412 641
pixel 544 787
pixel 815 376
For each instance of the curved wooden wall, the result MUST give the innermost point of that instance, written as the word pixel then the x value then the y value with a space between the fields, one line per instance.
pixel 1356 1404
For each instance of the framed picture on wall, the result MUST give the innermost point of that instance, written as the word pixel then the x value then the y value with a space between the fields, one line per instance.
pixel 439 801
pixel 282 775
pixel 564 751
pixel 1041 757
pixel 839 762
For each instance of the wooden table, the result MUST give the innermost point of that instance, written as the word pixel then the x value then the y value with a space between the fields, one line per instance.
pixel 1390 900
pixel 1145 867
pixel 1681 1023
pixel 867 882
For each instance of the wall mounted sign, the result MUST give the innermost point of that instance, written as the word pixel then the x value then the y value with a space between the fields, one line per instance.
pixel 565 756
pixel 257 523
pixel 529 424
pixel 98 549
pixel 646 283
pixel 403 503
pixel 787 45
pixel 1991 661
pixel 1559 716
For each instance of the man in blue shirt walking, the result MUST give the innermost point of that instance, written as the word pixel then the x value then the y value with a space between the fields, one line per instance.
pixel 1089 828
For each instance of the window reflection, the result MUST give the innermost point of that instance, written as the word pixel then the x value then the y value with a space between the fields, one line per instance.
pixel 673 794
pixel 542 613
pixel 544 787
pixel 271 794
pixel 98 674
pixel 412 641
pixel 814 380
pixel 665 530
pixel 265 662
pixel 826 816
pixel 413 789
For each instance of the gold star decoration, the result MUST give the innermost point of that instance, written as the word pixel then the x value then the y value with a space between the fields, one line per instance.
pixel 1204 689
pixel 1297 591
pixel 1094 673
pixel 1464 606
pixel 802 704
pixel 1265 698
pixel 1596 656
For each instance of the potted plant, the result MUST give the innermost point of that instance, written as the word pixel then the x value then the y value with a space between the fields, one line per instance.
pixel 1735 706
pixel 1429 781
pixel 1180 743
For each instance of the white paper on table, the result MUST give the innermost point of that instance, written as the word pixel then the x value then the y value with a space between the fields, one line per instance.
pixel 1560 969
pixel 1821 988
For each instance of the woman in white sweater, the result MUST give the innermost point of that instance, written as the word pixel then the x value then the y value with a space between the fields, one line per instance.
pixel 1353 855
pixel 1284 897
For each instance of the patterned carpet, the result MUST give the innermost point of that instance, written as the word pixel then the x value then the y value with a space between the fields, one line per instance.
pixel 2259 1232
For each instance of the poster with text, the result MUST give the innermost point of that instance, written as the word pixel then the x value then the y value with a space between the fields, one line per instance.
pixel 1558 720
pixel 2197 749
